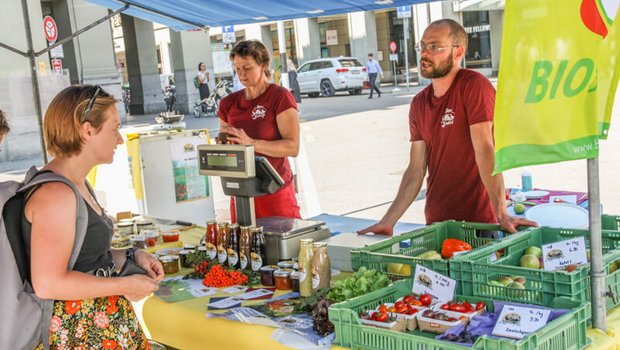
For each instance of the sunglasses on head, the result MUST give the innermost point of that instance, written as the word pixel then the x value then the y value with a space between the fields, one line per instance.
pixel 91 102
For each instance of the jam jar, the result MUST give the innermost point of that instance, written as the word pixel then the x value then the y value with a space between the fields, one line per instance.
pixel 170 263
pixel 282 278
pixel 266 275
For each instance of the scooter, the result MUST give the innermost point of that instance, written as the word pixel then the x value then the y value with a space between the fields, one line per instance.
pixel 208 107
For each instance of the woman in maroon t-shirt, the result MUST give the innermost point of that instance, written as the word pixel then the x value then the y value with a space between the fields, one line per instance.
pixel 263 115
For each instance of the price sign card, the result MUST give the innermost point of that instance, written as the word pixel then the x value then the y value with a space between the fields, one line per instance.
pixel 223 303
pixel 517 322
pixel 255 294
pixel 437 285
pixel 234 289
pixel 560 254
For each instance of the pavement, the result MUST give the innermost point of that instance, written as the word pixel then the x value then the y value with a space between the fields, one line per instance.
pixel 357 150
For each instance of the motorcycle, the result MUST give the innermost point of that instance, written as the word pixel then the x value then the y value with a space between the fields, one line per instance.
pixel 209 106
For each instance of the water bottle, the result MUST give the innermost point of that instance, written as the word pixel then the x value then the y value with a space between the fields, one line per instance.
pixel 526 181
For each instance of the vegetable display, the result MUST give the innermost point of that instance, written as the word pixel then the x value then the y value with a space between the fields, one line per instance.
pixel 453 245
pixel 362 282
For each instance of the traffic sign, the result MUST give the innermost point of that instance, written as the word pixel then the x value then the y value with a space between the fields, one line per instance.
pixel 51 30
pixel 57 66
pixel 228 34
pixel 393 46
pixel 403 11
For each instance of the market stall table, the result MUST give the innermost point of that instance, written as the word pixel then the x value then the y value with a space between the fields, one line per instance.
pixel 184 325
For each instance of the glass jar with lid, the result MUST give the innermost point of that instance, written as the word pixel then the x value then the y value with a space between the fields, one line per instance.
pixel 305 267
pixel 321 267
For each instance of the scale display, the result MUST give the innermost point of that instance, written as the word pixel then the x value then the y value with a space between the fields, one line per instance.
pixel 227 160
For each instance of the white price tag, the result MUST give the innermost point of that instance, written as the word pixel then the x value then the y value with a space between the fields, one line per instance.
pixel 225 303
pixel 560 254
pixel 202 292
pixel 234 289
pixel 255 294
pixel 437 285
pixel 517 322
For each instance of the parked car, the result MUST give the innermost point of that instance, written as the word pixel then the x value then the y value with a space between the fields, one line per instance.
pixel 325 76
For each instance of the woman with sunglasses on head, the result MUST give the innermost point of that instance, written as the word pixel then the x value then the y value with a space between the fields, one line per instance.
pixel 263 115
pixel 91 308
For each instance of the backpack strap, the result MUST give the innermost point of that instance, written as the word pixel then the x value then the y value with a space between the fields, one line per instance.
pixel 32 180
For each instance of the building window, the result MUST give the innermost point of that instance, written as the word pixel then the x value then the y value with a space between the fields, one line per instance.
pixel 478 30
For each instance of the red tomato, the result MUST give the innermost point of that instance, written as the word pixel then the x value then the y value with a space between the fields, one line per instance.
pixel 425 299
pixel 481 305
pixel 381 316
pixel 412 311
pixel 399 304
pixel 407 299
pixel 402 310
pixel 445 307
pixel 457 308
pixel 468 306
pixel 383 308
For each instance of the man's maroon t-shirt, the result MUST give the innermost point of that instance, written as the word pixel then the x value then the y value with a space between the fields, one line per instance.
pixel 454 188
pixel 257 117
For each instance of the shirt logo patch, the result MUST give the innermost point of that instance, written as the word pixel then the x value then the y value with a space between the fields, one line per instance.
pixel 259 112
pixel 448 118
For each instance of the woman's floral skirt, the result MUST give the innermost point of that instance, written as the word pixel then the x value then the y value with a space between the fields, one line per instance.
pixel 100 323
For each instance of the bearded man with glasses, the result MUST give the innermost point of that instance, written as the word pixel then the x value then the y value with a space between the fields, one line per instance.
pixel 451 128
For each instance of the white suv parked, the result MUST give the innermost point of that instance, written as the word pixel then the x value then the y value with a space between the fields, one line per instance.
pixel 325 76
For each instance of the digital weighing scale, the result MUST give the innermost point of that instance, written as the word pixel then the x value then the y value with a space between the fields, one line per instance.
pixel 245 176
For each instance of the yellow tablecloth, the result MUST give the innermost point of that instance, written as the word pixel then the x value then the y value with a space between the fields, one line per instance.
pixel 183 325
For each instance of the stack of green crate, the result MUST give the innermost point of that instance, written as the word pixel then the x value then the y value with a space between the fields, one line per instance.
pixel 475 270
pixel 379 255
pixel 567 332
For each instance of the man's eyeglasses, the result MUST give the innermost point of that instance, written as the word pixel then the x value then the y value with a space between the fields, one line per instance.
pixel 91 102
pixel 433 49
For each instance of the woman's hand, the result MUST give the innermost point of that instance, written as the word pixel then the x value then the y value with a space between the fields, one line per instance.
pixel 138 287
pixel 150 264
pixel 238 136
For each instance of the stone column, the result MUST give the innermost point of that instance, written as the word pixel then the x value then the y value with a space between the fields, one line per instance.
pixel 188 49
pixel 362 34
pixel 308 42
pixel 496 20
pixel 140 52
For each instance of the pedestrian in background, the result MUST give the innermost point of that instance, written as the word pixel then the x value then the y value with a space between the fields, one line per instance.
pixel 4 126
pixel 373 69
pixel 292 81
pixel 203 80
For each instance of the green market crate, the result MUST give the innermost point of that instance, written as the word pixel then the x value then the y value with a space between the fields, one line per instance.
pixel 567 332
pixel 380 255
pixel 475 270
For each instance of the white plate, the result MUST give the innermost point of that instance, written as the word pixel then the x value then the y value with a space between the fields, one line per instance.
pixel 560 215
pixel 535 194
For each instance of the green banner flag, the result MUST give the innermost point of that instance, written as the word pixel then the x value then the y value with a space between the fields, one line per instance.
pixel 559 70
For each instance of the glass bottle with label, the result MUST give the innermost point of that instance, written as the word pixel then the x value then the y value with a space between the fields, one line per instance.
pixel 211 240
pixel 245 243
pixel 233 246
pixel 258 255
pixel 305 266
pixel 223 231
pixel 321 267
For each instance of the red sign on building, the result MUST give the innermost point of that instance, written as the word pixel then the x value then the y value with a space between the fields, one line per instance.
pixel 51 30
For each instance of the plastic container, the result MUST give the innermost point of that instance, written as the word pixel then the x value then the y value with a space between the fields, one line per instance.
pixel 170 236
pixel 566 332
pixel 151 237
pixel 475 270
pixel 380 255
pixel 526 181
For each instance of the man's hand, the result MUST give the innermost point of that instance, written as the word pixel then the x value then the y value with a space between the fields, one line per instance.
pixel 150 264
pixel 378 229
pixel 511 223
